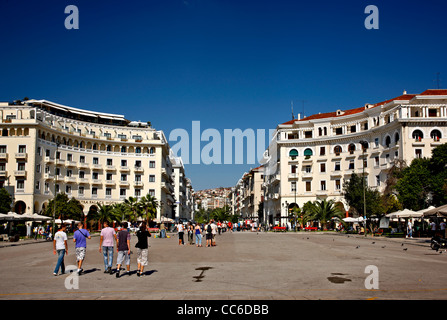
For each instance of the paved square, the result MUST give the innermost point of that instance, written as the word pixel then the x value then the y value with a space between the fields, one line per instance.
pixel 243 265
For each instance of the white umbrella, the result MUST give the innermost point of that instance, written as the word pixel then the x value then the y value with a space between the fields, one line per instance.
pixel 406 213
pixel 350 219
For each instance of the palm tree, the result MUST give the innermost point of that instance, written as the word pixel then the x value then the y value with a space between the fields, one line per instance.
pixel 132 208
pixel 149 205
pixel 324 211
pixel 105 213
pixel 119 210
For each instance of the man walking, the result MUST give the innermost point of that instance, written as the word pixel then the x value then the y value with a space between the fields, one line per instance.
pixel 106 245
pixel 60 247
pixel 123 249
pixel 214 233
pixel 80 238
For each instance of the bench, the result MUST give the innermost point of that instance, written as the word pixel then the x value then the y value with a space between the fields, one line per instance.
pixel 311 228
pixel 279 228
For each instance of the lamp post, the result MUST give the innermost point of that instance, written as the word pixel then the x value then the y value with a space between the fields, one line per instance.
pixel 364 143
pixel 55 183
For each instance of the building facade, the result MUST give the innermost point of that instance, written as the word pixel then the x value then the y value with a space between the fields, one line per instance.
pixel 315 154
pixel 47 148
pixel 248 194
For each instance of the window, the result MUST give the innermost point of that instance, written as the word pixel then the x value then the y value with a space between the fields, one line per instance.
pixel 308 169
pixel 109 162
pixel 122 192
pixel 417 135
pixel 308 134
pixel 337 166
pixel 293 186
pixel 138 163
pixel 293 168
pixel 2 149
pixel 396 138
pixel 418 153
pixel 323 185
pixel 337 185
pixel 108 192
pixel 376 161
pixel 137 193
pixel 69 157
pixel 152 192
pixel 151 164
pixel 20 184
pixel 82 159
pixel 69 172
pixel 123 177
pixel 47 187
pixel 95 175
pixel 38 185
pixel 95 161
pixel 308 153
pixel 322 167
pixel 138 177
pixel 22 149
pixel 151 178
pixel 138 150
pixel 109 177
pixel 308 186
pixel 435 135
pixel 376 142
pixel 81 174
pixel 353 129
pixel 322 151
pixel 378 180
pixel 337 150
pixel 432 112
pixel 351 148
pixel 123 163
pixel 38 168
pixel 338 131
pixel 387 141
pixel 152 150
pixel 293 153
pixel 81 191
pixel 351 165
pixel 68 189
pixel 21 166
pixel 94 191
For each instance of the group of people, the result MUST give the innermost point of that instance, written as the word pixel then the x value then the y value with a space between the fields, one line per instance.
pixel 109 237
pixel 196 231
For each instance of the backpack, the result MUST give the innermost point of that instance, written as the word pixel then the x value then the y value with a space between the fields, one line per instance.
pixel 209 229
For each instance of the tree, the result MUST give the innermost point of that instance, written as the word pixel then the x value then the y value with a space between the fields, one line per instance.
pixel 353 193
pixel 149 206
pixel 119 211
pixel 66 208
pixel 324 211
pixel 5 201
pixel 104 213
pixel 132 208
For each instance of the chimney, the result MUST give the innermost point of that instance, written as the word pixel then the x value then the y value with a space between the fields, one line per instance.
pixel 405 92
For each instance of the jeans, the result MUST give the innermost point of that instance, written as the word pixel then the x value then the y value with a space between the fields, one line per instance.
pixel 163 233
pixel 108 257
pixel 60 261
pixel 198 239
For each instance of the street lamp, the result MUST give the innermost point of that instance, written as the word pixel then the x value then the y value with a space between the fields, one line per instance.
pixel 364 144
pixel 55 183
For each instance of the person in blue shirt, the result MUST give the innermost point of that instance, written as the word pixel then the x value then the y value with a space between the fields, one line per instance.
pixel 80 238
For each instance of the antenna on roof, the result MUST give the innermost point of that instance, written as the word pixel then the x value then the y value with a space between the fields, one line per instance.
pixel 438 81
pixel 293 117
pixel 303 106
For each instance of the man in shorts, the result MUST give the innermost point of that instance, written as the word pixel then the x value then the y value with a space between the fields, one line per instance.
pixel 106 246
pixel 80 238
pixel 123 249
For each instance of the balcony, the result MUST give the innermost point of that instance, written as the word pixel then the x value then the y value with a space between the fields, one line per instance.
pixel 110 183
pixel 110 167
pixel 293 175
pixel 71 163
pixel 20 173
pixel 83 165
pixel 96 166
pixel 138 183
pixel 83 180
pixel 96 181
pixel 70 179
pixel 21 155
pixel 3 173
pixel 124 168
pixel 124 183
pixel 48 176
pixel 138 169
pixel 3 156
pixel 48 159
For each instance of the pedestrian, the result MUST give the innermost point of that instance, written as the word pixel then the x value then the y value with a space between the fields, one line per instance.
pixel 213 232
pixel 190 233
pixel 60 247
pixel 181 231
pixel 409 229
pixel 106 246
pixel 433 228
pixel 142 248
pixel 123 249
pixel 162 230
pixel 198 233
pixel 442 228
pixel 209 234
pixel 80 238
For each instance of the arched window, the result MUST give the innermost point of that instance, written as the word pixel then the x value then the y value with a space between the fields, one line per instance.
pixel 351 148
pixel 436 135
pixel 293 153
pixel 308 152
pixel 95 146
pixel 123 149
pixel 418 135
pixel 396 137
pixel 388 141
pixel 152 150
pixel 337 150
pixel 109 148
pixel 138 150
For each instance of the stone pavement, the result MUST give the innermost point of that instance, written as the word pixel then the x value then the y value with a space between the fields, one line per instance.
pixel 243 266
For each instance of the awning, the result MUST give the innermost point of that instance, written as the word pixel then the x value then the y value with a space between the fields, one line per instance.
pixel 437 212
pixel 405 213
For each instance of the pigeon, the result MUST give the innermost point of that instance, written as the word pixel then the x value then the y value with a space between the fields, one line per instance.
pixel 373 242
pixel 402 244
pixel 405 249
pixel 383 247
pixel 357 247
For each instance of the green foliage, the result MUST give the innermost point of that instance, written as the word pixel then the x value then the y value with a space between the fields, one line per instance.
pixel 5 201
pixel 357 194
pixel 323 211
pixel 65 208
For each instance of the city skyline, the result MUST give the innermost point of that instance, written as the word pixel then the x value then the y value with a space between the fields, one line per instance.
pixel 226 64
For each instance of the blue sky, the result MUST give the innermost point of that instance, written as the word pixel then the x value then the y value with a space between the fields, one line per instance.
pixel 228 64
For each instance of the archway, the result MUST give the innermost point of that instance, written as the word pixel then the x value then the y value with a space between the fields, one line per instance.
pixel 20 207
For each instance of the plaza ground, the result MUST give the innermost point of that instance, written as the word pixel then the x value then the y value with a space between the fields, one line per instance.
pixel 243 266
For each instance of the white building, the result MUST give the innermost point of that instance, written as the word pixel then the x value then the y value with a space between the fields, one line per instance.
pixel 316 153
pixel 47 148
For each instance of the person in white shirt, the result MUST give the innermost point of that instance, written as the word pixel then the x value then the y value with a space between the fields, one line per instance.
pixel 181 232
pixel 60 247
pixel 442 227
pixel 213 232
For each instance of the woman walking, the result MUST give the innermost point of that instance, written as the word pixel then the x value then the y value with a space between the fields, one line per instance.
pixel 198 233
pixel 142 248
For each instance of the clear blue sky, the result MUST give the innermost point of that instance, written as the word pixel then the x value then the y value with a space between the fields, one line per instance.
pixel 228 64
